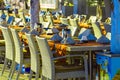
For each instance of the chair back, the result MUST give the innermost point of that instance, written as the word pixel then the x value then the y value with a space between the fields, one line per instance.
pixel 97 31
pixel 46 24
pixel 9 44
pixel 22 16
pixel 48 69
pixel 34 52
pixel 41 17
pixel 74 22
pixel 64 21
pixel 50 19
pixel 1 12
pixel 92 19
pixel 18 46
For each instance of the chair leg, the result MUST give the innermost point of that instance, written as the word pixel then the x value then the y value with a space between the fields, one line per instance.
pixel 43 78
pixel 30 76
pixel 5 63
pixel 69 78
pixel 74 78
pixel 20 68
pixel 12 67
pixel 37 75
pixel 12 73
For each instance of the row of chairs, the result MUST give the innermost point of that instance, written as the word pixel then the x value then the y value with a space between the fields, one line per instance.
pixel 39 51
pixel 75 27
pixel 14 51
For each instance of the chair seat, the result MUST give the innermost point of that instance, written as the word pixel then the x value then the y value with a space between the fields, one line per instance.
pixel 71 71
pixel 2 42
pixel 68 67
pixel 26 55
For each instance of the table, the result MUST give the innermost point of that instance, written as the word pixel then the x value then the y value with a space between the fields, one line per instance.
pixel 90 46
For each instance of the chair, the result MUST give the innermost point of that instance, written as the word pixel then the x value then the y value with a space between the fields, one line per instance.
pixel 46 24
pixel 64 21
pixel 74 23
pixel 50 71
pixel 22 16
pixel 50 19
pixel 9 49
pixel 97 31
pixel 35 57
pixel 74 27
pixel 41 17
pixel 21 57
pixel 1 12
pixel 92 19
pixel 74 31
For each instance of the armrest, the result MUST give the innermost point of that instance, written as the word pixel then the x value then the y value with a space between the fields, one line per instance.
pixel 62 57
pixel 2 41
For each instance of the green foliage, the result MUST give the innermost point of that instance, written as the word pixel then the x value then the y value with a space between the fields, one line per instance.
pixel 118 72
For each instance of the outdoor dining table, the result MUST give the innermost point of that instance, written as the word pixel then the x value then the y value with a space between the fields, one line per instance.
pixel 89 47
pixel 79 47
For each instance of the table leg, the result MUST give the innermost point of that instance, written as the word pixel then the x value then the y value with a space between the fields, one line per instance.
pixel 90 65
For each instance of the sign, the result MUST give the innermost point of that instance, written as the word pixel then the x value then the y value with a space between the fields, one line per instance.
pixel 51 4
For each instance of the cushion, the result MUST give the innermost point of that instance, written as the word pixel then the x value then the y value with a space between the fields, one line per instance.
pixel 68 40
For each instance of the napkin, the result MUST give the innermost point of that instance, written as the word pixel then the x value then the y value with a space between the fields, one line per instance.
pixel 54 30
pixel 49 31
pixel 89 36
pixel 3 16
pixel 21 24
pixel 68 40
pixel 34 32
pixel 56 37
pixel 63 25
pixel 107 27
pixel 10 19
pixel 24 29
pixel 17 21
pixel 1 19
pixel 103 40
